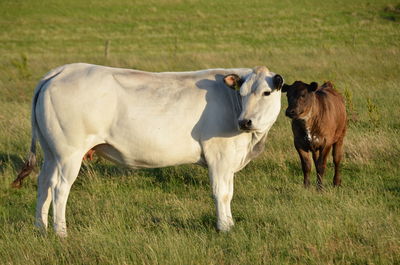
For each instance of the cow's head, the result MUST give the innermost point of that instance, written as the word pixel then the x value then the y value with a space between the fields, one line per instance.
pixel 261 98
pixel 300 99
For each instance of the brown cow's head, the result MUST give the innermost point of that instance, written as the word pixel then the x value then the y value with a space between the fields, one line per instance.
pixel 300 99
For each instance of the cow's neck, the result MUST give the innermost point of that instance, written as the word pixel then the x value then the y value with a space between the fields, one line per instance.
pixel 311 124
pixel 316 114
pixel 256 144
pixel 236 105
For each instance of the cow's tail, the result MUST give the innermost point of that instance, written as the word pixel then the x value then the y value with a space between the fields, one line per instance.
pixel 31 161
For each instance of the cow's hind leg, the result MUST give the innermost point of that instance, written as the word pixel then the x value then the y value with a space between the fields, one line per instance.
pixel 337 153
pixel 68 171
pixel 47 173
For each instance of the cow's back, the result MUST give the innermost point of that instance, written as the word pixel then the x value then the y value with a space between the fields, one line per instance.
pixel 332 113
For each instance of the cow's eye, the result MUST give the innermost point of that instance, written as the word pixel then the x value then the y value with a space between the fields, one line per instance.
pixel 267 93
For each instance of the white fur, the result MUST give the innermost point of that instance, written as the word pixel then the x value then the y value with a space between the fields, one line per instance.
pixel 309 138
pixel 146 120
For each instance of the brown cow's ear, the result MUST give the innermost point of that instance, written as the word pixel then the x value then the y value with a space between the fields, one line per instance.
pixel 313 86
pixel 233 81
pixel 278 82
pixel 285 88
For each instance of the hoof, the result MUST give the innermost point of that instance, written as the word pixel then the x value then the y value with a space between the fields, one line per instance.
pixel 60 232
pixel 225 226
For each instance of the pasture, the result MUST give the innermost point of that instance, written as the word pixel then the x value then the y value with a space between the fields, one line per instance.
pixel 166 216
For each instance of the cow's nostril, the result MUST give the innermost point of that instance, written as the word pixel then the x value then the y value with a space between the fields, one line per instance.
pixel 290 113
pixel 245 124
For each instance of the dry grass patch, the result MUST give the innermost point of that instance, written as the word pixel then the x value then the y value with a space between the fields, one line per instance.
pixel 366 146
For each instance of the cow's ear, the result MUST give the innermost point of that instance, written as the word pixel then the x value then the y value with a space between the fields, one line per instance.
pixel 313 86
pixel 278 82
pixel 285 88
pixel 233 81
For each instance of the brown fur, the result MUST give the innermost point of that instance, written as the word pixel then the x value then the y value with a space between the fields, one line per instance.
pixel 30 165
pixel 89 155
pixel 319 124
pixel 25 171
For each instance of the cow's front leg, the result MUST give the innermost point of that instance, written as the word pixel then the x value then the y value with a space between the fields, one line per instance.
pixel 321 165
pixel 305 165
pixel 222 189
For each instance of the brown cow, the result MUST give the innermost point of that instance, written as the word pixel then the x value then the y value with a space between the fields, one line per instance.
pixel 318 123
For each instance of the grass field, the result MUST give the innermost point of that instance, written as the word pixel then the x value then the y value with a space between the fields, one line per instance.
pixel 166 216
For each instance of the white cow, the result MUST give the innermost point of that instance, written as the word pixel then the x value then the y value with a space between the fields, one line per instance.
pixel 148 120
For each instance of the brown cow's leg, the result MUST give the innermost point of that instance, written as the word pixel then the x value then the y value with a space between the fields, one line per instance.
pixel 305 165
pixel 321 165
pixel 337 153
pixel 315 156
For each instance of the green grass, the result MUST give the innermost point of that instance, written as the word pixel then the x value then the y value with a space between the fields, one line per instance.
pixel 166 216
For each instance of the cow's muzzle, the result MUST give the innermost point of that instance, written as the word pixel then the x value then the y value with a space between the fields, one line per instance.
pixel 291 113
pixel 245 125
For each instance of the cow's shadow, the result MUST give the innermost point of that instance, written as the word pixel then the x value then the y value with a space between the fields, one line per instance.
pixel 207 220
pixel 218 119
pixel 163 177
